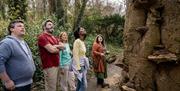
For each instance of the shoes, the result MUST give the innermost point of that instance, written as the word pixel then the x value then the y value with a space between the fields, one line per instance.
pixel 126 88
pixel 105 85
pixel 99 86
pixel 129 86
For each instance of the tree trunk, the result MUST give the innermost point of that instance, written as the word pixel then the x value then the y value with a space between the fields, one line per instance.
pixel 152 30
pixel 76 12
pixel 41 7
pixel 80 15
pixel 65 10
pixel 52 6
pixel 45 7
pixel 2 8
pixel 60 13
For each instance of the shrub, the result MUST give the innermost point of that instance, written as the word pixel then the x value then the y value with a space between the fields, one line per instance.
pixel 111 27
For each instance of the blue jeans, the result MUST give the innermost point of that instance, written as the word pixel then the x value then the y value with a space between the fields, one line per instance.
pixel 24 88
pixel 80 86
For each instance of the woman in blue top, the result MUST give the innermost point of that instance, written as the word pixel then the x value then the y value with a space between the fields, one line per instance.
pixel 67 77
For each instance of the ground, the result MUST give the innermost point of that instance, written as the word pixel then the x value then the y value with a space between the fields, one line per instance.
pixel 113 79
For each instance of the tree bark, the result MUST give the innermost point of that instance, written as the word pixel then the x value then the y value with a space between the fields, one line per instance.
pixel 76 12
pixel 52 6
pixel 150 24
pixel 2 8
pixel 80 15
pixel 60 12
pixel 41 7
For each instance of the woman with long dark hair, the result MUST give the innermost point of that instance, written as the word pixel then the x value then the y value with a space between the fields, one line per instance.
pixel 99 63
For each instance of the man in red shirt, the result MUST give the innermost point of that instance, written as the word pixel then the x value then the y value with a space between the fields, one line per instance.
pixel 49 47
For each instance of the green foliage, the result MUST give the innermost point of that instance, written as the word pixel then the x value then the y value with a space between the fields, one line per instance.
pixel 114 49
pixel 3 29
pixel 90 23
pixel 89 42
pixel 111 27
pixel 17 9
pixel 33 29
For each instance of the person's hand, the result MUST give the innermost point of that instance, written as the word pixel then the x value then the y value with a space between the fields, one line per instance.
pixel 10 85
pixel 102 54
pixel 62 73
pixel 61 45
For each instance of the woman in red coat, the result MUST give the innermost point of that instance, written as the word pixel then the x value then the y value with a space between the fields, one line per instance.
pixel 99 63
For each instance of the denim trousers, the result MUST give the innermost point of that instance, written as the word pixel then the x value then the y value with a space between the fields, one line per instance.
pixel 80 86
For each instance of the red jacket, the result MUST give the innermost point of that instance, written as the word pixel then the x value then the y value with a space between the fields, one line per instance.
pixel 98 60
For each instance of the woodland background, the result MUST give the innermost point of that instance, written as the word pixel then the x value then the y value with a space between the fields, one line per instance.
pixel 96 16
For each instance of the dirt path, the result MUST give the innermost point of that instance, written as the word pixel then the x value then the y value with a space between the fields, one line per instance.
pixel 113 80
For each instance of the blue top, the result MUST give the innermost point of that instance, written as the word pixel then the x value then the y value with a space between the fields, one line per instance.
pixel 16 59
pixel 65 56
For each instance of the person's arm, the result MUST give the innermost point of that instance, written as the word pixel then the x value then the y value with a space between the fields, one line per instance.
pixel 61 45
pixel 43 42
pixel 52 48
pixel 95 50
pixel 5 52
pixel 9 84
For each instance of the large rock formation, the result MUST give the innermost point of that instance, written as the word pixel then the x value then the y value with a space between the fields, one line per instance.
pixel 152 45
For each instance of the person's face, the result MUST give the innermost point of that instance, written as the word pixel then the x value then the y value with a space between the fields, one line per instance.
pixel 64 37
pixel 18 30
pixel 49 27
pixel 100 39
pixel 82 33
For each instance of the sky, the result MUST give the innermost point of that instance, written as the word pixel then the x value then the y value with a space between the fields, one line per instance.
pixel 116 0
pixel 117 3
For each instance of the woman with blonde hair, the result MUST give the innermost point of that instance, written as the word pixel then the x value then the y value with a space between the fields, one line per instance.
pixel 99 62
pixel 67 76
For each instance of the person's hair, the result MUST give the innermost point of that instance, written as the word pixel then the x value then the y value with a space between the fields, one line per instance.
pixel 12 25
pixel 45 22
pixel 103 41
pixel 77 33
pixel 60 36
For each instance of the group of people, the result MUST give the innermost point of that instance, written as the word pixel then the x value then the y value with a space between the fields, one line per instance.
pixel 58 61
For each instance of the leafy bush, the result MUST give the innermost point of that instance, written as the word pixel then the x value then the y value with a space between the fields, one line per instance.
pixel 3 28
pixel 111 27
pixel 17 9
pixel 33 29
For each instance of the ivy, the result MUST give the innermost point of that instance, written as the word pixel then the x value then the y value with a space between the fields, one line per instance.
pixel 17 9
